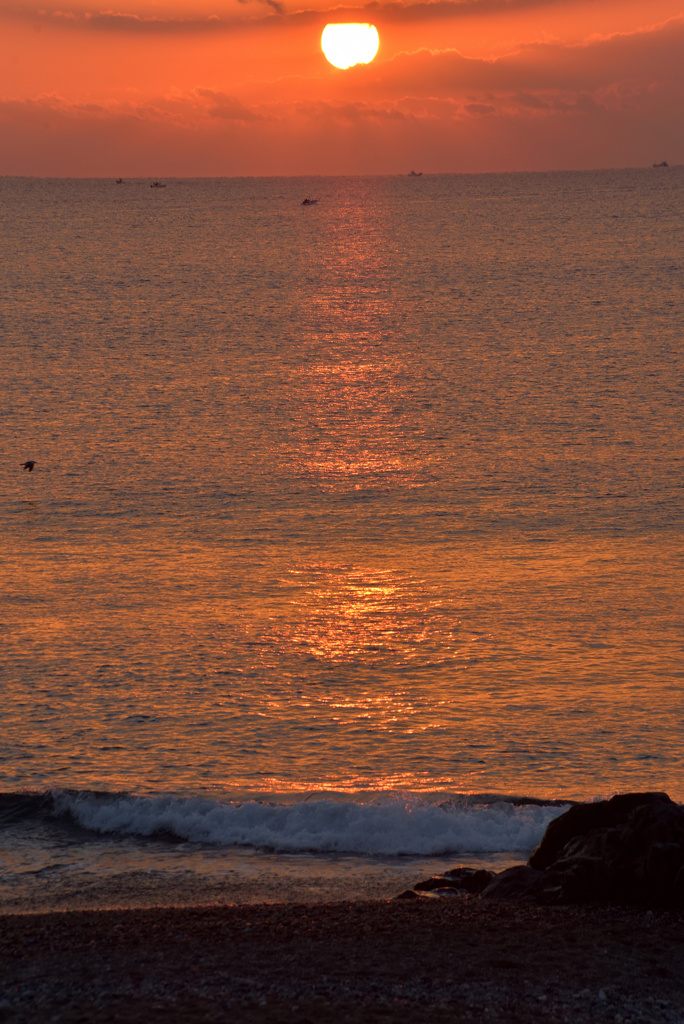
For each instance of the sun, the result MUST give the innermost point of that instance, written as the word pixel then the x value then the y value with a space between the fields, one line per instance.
pixel 347 45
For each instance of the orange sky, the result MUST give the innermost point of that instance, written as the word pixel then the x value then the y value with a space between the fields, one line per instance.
pixel 163 87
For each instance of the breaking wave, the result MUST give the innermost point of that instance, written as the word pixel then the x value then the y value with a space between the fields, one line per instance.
pixel 386 825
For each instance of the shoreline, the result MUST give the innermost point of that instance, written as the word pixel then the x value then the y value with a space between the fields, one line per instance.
pixel 228 879
pixel 439 959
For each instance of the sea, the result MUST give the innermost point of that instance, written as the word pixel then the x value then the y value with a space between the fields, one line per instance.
pixel 352 548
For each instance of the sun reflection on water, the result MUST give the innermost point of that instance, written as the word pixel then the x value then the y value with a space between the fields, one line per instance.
pixel 356 411
pixel 359 614
pixel 353 423
pixel 363 532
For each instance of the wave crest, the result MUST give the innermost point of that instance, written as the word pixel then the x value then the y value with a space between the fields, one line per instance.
pixel 398 825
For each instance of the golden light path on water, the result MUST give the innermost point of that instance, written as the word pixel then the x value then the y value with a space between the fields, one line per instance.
pixel 353 513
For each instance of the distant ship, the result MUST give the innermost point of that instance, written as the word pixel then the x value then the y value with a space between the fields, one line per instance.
pixel 119 181
pixel 415 174
pixel 157 184
pixel 309 202
pixel 663 164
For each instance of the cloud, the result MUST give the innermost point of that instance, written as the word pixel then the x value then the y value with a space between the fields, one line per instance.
pixel 448 10
pixel 277 7
pixel 480 108
pixel 227 108
pixel 533 102
pixel 162 23
pixel 125 22
pixel 610 102
pixel 617 70
pixel 348 113
pixel 179 111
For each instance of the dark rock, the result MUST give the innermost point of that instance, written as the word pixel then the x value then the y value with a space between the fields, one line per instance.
pixel 449 890
pixel 407 894
pixel 662 864
pixel 514 883
pixel 628 850
pixel 453 882
pixel 436 883
pixel 583 818
pixel 472 880
pixel 678 889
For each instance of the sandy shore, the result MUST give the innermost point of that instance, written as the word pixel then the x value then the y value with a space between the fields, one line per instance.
pixel 451 959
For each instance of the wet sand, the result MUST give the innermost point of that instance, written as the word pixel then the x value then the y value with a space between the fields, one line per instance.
pixel 451 959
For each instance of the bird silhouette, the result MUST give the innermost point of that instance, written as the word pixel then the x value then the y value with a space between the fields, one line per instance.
pixel 29 465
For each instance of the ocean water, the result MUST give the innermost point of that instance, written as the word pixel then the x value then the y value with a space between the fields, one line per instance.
pixel 353 546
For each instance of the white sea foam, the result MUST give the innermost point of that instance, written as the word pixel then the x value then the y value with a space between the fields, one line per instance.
pixel 403 825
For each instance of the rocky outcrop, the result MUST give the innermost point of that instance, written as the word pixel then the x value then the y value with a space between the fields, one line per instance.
pixel 472 880
pixel 457 881
pixel 628 850
pixel 583 819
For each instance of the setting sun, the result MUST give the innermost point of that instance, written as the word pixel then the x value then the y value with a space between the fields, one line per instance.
pixel 347 45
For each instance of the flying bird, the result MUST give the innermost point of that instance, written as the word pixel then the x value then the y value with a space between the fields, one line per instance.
pixel 29 465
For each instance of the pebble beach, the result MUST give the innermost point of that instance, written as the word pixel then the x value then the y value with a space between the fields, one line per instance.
pixel 455 959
